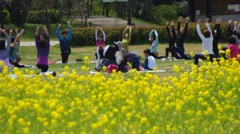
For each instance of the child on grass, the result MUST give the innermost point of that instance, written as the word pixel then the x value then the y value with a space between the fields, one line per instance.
pixel 149 62
pixel 100 43
pixel 233 47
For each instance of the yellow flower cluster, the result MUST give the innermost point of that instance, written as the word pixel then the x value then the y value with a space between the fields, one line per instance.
pixel 203 100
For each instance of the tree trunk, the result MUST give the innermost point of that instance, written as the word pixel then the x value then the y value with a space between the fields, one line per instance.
pixel 148 11
pixel 1 16
pixel 192 10
pixel 129 13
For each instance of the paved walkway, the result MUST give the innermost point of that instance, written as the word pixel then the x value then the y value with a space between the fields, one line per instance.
pixel 108 21
pixel 32 43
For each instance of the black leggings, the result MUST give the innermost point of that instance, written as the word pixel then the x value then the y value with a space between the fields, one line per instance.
pixel 16 64
pixel 203 57
pixel 43 68
pixel 65 56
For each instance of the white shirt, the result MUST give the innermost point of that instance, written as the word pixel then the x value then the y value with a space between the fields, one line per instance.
pixel 206 42
pixel 151 62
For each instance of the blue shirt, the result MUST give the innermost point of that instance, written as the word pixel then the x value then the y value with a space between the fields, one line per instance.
pixel 64 42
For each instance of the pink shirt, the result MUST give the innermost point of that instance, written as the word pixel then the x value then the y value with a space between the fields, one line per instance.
pixel 100 44
pixel 234 50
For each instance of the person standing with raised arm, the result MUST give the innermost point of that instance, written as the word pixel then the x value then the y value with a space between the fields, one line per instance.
pixel 207 41
pixel 100 44
pixel 217 32
pixel 64 40
pixel 126 37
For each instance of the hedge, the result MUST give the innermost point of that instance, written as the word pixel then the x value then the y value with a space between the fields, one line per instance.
pixel 86 37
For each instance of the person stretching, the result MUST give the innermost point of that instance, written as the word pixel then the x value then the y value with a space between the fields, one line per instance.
pixel 64 40
pixel 126 37
pixel 43 47
pixel 207 40
pixel 14 58
pixel 153 38
pixel 217 32
pixel 5 50
pixel 100 43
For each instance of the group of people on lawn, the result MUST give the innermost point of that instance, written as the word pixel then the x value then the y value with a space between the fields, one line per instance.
pixel 117 56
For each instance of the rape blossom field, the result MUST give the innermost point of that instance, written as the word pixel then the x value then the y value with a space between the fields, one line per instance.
pixel 203 100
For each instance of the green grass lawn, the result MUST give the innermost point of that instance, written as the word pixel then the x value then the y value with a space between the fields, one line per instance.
pixel 29 56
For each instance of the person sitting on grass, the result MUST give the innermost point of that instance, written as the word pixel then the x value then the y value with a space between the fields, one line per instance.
pixel 14 49
pixel 64 40
pixel 126 37
pixel 43 47
pixel 129 57
pixel 149 62
pixel 100 43
pixel 5 49
pixel 233 47
pixel 111 55
pixel 233 32
pixel 207 41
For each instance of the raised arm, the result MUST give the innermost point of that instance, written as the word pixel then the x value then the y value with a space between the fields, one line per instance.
pixel 10 32
pixel 156 36
pixel 104 35
pixel 150 34
pixel 208 26
pixel 96 34
pixel 173 30
pixel 235 28
pixel 36 35
pixel 69 30
pixel 229 27
pixel 179 24
pixel 17 38
pixel 58 32
pixel 47 35
pixel 199 30
pixel 124 32
pixel 186 26
pixel 219 32
pixel 37 30
pixel 168 31
pixel 130 34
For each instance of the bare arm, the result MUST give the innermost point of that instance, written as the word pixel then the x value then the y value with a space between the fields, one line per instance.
pixel 104 35
pixel 37 30
pixel 17 37
pixel 199 30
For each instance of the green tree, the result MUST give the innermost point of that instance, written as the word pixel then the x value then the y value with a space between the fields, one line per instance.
pixel 18 10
